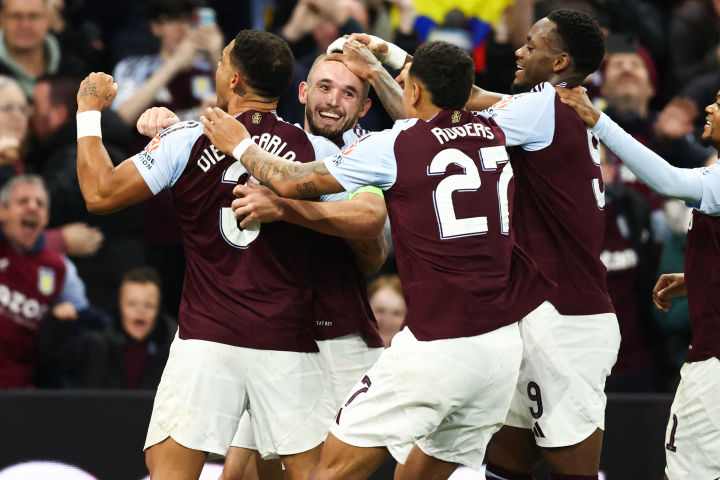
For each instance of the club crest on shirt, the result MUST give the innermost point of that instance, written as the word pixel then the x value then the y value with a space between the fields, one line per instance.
pixel 256 118
pixel 46 281
pixel 455 117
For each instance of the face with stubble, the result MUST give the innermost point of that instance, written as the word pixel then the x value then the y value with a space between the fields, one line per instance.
pixel 334 98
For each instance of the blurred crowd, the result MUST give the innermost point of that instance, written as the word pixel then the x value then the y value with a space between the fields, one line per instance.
pixel 104 315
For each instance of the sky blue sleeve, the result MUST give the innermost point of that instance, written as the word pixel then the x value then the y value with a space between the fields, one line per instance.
pixel 527 119
pixel 163 160
pixel 710 201
pixel 74 288
pixel 649 167
pixel 369 161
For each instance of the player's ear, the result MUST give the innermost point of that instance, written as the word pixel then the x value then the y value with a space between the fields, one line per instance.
pixel 238 84
pixel 415 91
pixel 302 92
pixel 366 106
pixel 562 62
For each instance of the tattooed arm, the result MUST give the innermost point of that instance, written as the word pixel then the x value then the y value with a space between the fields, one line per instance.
pixel 104 187
pixel 286 178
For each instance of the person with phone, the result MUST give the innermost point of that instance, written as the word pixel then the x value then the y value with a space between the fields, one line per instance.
pixel 180 75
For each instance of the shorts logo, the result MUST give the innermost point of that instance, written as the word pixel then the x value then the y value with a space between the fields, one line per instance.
pixel 46 281
pixel 537 431
pixel 256 118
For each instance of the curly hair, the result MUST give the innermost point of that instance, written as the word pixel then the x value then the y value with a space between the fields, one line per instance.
pixel 266 61
pixel 447 71
pixel 581 37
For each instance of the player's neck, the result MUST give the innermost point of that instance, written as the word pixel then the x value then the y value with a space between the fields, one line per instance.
pixel 426 111
pixel 570 80
pixel 240 104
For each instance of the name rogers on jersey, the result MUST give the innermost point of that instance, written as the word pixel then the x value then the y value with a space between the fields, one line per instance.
pixel 268 142
pixel 468 130
pixel 22 309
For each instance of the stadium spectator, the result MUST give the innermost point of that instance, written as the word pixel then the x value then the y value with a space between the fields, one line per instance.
pixel 33 279
pixel 131 353
pixel 27 48
pixel 388 305
pixel 180 75
pixel 75 239
pixel 14 114
pixel 628 87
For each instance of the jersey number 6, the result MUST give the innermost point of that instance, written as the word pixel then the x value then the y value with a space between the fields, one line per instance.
pixel 234 235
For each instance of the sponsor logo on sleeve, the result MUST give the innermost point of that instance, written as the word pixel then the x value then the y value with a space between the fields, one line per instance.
pixel 146 159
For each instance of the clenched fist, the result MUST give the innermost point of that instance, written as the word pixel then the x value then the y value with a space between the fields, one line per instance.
pixel 96 92
pixel 155 119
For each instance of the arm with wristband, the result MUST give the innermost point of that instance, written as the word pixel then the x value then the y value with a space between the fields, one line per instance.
pixel 388 90
pixel 105 188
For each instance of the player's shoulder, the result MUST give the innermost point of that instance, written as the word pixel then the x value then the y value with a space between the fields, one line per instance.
pixel 539 94
pixel 181 131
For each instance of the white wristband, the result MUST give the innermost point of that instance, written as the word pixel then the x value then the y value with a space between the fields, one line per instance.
pixel 396 57
pixel 241 147
pixel 88 124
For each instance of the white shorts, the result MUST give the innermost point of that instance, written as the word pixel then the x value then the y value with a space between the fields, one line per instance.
pixel 692 440
pixel 343 361
pixel 561 392
pixel 207 386
pixel 448 397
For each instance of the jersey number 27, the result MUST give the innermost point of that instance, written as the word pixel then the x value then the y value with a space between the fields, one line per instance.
pixel 491 159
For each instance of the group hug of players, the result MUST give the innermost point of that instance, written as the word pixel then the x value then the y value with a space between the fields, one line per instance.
pixel 496 209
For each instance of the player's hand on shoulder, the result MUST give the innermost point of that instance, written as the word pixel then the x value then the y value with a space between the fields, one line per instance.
pixel 223 130
pixel 155 119
pixel 668 286
pixel 577 99
pixel 97 92
pixel 256 203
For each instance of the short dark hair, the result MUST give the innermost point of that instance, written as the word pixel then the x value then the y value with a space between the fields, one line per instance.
pixel 142 275
pixel 581 37
pixel 447 71
pixel 266 61
pixel 158 10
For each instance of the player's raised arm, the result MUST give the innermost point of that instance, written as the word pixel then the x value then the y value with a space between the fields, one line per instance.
pixel 649 167
pixel 365 54
pixel 104 187
pixel 286 178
